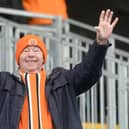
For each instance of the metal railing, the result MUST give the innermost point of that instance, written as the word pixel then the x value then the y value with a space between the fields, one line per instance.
pixel 105 106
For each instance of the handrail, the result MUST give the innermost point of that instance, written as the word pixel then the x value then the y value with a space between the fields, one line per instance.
pixel 17 12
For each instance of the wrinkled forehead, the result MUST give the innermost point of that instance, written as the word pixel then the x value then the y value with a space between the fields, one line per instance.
pixel 32 47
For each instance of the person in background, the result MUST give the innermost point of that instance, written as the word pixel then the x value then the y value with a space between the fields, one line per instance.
pixel 49 7
pixel 37 101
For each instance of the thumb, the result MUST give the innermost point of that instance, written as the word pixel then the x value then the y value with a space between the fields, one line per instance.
pixel 97 28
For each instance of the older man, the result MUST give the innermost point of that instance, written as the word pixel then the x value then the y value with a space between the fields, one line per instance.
pixel 37 102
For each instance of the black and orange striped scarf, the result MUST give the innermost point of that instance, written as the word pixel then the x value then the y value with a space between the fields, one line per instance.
pixel 35 114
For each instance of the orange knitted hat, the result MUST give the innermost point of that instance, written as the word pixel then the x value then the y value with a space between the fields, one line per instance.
pixel 29 40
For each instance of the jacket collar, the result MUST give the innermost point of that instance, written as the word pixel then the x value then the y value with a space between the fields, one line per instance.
pixel 12 83
pixel 57 79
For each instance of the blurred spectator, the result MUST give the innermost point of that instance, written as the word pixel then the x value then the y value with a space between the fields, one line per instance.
pixel 13 4
pixel 50 7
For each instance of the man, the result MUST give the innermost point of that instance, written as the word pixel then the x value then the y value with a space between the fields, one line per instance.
pixel 37 102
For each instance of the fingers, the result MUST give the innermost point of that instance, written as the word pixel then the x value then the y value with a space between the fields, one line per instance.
pixel 101 18
pixel 115 22
pixel 106 16
pixel 110 16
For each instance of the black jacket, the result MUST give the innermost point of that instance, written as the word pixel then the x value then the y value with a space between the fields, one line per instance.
pixel 62 87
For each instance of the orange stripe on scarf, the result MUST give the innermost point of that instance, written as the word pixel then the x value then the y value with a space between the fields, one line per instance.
pixel 45 114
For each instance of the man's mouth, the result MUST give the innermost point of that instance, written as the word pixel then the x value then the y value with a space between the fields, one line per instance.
pixel 31 61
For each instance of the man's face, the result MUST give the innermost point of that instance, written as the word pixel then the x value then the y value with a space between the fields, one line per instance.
pixel 31 59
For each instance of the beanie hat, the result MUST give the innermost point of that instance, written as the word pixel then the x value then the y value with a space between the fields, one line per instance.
pixel 29 40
